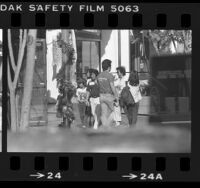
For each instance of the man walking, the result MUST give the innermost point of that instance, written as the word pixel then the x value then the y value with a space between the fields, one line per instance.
pixel 108 93
pixel 93 95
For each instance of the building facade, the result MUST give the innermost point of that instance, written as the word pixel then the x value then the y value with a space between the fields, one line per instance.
pixel 93 46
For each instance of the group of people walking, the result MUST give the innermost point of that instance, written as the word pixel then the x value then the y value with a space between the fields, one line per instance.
pixel 107 96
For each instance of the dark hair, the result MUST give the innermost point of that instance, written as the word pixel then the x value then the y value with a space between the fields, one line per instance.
pixel 122 70
pixel 81 80
pixel 96 72
pixel 134 78
pixel 88 71
pixel 106 64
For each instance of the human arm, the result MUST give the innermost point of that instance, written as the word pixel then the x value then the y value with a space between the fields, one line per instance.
pixel 112 86
pixel 87 98
pixel 77 94
pixel 114 90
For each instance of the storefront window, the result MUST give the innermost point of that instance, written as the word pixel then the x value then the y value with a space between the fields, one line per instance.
pixel 88 56
pixel 139 51
pixel 140 57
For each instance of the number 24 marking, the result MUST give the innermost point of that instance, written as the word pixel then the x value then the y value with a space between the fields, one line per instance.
pixel 50 175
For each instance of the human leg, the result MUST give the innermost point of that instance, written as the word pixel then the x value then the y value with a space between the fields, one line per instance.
pixel 135 113
pixel 95 116
pixel 117 115
pixel 107 108
pixel 129 113
pixel 93 108
pixel 110 118
pixel 104 112
pixel 110 106
pixel 82 107
pixel 98 114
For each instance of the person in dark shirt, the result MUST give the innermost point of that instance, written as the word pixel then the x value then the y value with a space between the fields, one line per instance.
pixel 108 93
pixel 93 95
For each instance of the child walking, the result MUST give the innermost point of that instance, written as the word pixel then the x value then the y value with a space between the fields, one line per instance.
pixel 82 100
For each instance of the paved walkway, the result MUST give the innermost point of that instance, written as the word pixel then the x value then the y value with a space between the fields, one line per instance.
pixel 144 138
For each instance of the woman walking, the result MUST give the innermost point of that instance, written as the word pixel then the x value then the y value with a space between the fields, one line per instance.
pixel 119 83
pixel 130 98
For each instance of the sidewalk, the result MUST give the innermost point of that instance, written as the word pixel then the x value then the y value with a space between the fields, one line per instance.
pixel 144 138
pixel 53 121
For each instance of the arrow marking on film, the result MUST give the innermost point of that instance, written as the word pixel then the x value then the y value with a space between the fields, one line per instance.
pixel 38 175
pixel 130 176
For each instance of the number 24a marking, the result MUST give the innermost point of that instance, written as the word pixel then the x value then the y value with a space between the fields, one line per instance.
pixel 151 176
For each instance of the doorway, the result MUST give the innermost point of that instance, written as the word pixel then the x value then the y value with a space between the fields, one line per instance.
pixel 88 57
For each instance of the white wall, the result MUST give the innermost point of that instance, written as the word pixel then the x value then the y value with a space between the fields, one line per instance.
pixel 109 47
pixel 125 50
pixel 95 56
pixel 109 42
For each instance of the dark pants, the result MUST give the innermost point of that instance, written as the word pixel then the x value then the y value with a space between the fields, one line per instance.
pixel 82 107
pixel 132 112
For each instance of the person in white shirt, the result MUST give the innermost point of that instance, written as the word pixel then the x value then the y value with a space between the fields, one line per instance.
pixel 119 83
pixel 81 94
pixel 88 75
pixel 132 109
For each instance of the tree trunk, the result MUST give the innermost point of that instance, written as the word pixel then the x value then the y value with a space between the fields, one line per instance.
pixel 28 80
pixel 13 111
pixel 73 69
pixel 17 110
pixel 70 69
pixel 16 67
pixel 65 37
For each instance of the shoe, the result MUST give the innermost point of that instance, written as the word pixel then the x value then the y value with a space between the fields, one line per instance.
pixel 83 126
pixel 95 126
pixel 117 124
pixel 62 125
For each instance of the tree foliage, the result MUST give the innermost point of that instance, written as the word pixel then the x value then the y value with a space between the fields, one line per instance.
pixel 163 40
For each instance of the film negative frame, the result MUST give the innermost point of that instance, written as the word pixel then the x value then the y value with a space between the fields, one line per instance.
pixel 105 166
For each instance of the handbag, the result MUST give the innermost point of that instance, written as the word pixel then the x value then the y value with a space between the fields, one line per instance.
pixel 126 97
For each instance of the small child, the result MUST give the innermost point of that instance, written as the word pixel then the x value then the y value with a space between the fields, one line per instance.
pixel 81 93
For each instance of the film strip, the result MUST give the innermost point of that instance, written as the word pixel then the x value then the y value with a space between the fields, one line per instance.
pixel 47 152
